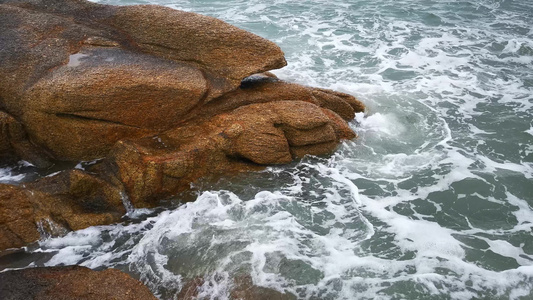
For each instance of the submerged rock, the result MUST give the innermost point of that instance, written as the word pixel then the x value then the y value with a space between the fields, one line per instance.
pixel 243 288
pixel 73 282
pixel 161 97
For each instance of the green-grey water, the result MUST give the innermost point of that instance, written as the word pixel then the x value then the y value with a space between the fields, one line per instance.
pixel 432 201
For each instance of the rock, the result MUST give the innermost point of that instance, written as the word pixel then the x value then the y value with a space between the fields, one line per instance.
pixel 7 122
pixel 17 225
pixel 75 200
pixel 191 288
pixel 71 200
pixel 15 144
pixel 89 108
pixel 261 88
pixel 72 282
pixel 225 51
pixel 250 136
pixel 81 76
pixel 245 289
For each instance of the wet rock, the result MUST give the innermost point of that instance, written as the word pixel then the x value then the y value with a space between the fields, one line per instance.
pixel 52 206
pixel 75 200
pixel 15 144
pixel 17 225
pixel 191 289
pixel 73 282
pixel 7 122
pixel 245 289
pixel 250 136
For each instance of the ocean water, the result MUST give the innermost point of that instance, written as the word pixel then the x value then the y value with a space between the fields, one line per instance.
pixel 434 200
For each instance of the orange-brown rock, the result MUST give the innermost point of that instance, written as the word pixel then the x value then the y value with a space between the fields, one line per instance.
pixel 72 282
pixel 80 76
pixel 17 222
pixel 15 144
pixel 224 51
pixel 7 124
pixel 245 289
pixel 251 135
pixel 80 112
pixel 75 200
pixel 261 88
pixel 71 200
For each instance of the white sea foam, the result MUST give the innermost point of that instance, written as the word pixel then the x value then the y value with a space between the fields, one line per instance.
pixel 6 176
pixel 387 124
pixel 530 131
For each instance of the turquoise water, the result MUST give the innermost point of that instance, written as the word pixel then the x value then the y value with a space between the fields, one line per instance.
pixel 432 201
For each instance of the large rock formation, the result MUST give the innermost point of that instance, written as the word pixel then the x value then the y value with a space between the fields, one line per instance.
pixel 160 97
pixel 81 76
pixel 70 283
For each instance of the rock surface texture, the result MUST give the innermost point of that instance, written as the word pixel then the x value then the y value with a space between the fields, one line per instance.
pixel 159 97
pixel 70 283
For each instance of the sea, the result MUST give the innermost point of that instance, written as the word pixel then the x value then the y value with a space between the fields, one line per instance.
pixel 433 200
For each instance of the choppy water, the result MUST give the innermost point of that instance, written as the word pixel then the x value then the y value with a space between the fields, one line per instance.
pixel 433 201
